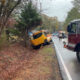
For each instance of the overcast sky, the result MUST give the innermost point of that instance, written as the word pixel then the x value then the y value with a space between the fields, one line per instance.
pixel 57 8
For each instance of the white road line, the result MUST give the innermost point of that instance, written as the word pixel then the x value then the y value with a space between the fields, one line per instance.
pixel 65 68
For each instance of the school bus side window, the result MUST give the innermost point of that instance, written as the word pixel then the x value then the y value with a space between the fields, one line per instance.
pixel 37 35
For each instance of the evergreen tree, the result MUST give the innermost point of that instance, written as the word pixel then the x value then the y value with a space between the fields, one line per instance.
pixel 28 20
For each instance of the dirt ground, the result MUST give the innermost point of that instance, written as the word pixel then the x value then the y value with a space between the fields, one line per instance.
pixel 19 63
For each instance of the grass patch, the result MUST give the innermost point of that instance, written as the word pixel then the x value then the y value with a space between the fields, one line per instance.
pixel 47 50
pixel 44 70
pixel 51 64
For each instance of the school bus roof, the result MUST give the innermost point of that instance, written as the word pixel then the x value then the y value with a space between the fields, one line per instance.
pixel 37 32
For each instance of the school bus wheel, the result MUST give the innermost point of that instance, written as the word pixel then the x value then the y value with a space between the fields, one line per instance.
pixel 36 47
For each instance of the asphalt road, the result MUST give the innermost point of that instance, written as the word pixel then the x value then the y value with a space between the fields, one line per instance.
pixel 69 66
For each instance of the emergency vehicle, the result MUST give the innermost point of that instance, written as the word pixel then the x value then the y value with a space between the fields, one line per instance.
pixel 74 37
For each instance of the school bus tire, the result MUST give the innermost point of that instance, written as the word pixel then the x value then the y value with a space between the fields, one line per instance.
pixel 36 47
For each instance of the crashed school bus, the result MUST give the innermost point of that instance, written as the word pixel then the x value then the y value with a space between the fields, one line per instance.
pixel 74 37
pixel 38 38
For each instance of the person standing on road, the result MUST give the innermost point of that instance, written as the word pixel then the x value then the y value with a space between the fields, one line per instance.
pixel 60 36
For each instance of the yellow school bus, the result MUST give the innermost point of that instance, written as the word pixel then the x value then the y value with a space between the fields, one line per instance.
pixel 38 38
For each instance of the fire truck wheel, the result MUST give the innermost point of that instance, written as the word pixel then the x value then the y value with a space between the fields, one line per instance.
pixel 78 56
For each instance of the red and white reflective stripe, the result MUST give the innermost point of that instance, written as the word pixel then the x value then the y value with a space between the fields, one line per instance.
pixel 71 45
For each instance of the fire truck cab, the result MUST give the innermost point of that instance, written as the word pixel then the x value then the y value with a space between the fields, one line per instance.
pixel 74 37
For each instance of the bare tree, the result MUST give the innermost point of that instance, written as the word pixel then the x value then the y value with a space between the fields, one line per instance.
pixel 6 8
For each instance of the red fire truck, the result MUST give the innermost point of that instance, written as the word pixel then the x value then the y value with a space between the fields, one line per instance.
pixel 74 37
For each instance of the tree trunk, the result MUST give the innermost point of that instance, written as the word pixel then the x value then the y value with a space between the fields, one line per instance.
pixel 26 39
pixel 5 12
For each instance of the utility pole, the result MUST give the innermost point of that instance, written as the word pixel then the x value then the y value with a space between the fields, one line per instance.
pixel 40 11
pixel 40 7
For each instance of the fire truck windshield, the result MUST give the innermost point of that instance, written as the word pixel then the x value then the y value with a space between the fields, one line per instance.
pixel 72 28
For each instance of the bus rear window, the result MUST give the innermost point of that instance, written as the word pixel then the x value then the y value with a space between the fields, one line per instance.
pixel 37 35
